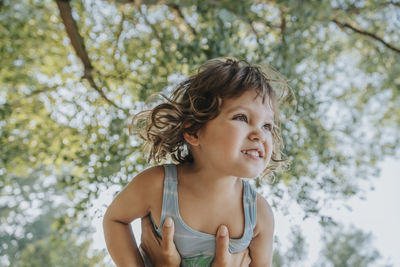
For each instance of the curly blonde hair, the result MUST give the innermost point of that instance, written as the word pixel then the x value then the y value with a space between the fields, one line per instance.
pixel 199 99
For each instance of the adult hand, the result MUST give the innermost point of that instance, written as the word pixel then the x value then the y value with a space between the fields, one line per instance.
pixel 223 258
pixel 161 251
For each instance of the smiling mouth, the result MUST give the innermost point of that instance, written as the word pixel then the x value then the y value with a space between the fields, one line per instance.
pixel 252 154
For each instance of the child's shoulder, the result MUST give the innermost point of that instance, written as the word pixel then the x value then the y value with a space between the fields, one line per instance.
pixel 148 180
pixel 152 175
pixel 262 242
pixel 265 216
pixel 149 184
pixel 153 171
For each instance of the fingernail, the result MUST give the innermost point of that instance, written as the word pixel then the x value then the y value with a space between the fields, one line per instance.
pixel 223 231
pixel 168 222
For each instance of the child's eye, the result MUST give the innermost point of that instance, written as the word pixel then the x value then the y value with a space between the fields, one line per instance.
pixel 268 127
pixel 240 117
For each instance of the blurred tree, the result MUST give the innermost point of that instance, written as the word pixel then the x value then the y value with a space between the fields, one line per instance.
pixel 352 247
pixel 295 254
pixel 29 231
pixel 341 247
pixel 58 252
pixel 73 72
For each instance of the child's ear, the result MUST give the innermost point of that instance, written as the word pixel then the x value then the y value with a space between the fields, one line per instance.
pixel 191 138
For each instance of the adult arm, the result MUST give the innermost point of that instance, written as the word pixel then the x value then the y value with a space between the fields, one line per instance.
pixel 135 201
pixel 162 251
pixel 261 244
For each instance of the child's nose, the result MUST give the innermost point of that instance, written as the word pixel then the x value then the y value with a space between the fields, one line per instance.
pixel 257 135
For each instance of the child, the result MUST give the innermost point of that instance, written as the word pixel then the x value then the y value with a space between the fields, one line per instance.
pixel 219 126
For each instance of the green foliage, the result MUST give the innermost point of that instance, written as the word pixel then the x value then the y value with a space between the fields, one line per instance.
pixel 54 123
pixel 341 247
pixel 58 252
pixel 295 254
pixel 28 228
pixel 348 248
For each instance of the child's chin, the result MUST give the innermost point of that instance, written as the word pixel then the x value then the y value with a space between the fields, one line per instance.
pixel 253 175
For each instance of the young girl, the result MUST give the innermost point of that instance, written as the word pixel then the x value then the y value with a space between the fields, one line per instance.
pixel 219 126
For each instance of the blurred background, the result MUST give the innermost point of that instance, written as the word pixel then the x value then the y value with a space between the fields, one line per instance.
pixel 72 74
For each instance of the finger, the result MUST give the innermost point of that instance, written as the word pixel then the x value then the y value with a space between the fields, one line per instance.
pixel 222 245
pixel 246 260
pixel 168 233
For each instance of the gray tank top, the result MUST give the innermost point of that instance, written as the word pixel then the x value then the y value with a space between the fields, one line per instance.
pixel 197 248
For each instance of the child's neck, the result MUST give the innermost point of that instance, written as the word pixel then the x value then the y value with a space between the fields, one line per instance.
pixel 205 181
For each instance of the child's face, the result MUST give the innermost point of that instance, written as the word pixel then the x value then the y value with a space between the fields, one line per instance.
pixel 243 127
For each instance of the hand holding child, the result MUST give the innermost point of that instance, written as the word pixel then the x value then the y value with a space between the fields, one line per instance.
pixel 163 252
pixel 223 258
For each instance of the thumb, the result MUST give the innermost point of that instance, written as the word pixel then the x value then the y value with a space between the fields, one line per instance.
pixel 168 233
pixel 222 245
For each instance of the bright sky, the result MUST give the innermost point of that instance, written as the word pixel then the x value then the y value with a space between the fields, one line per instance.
pixel 378 214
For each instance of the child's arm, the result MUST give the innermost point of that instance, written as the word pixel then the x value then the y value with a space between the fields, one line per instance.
pixel 261 245
pixel 139 197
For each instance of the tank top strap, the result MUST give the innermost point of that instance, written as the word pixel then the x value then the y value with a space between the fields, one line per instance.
pixel 250 202
pixel 170 194
pixel 170 175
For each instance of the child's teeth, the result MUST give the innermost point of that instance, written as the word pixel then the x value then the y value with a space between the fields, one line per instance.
pixel 254 153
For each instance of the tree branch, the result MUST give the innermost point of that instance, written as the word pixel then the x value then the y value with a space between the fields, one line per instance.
pixel 180 14
pixel 363 32
pixel 283 25
pixel 73 34
pixel 79 47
